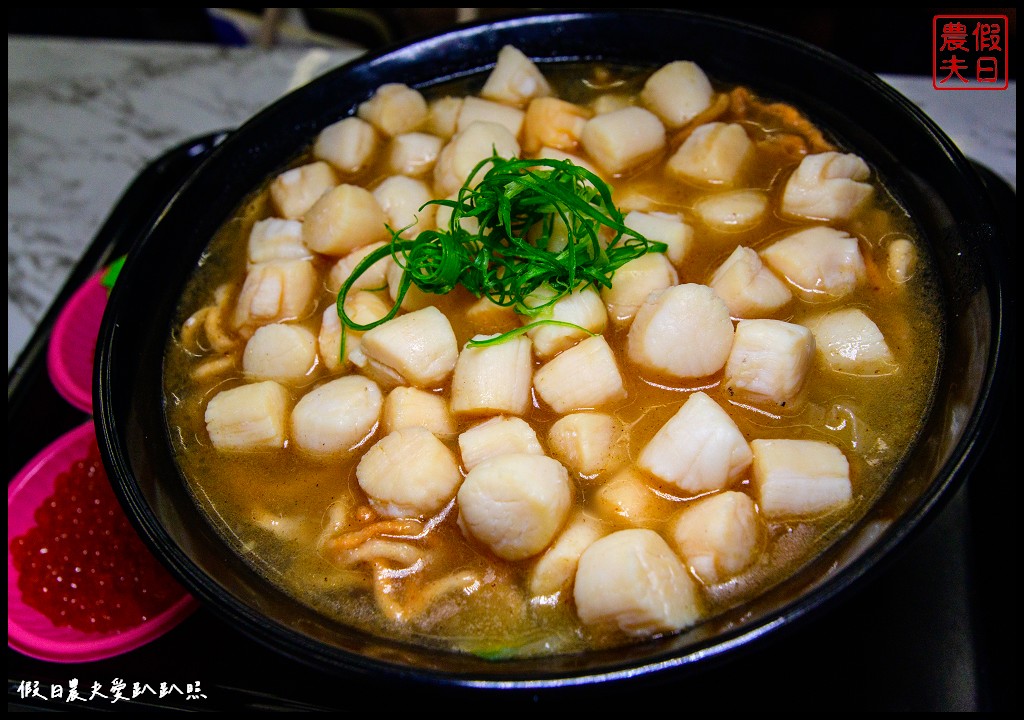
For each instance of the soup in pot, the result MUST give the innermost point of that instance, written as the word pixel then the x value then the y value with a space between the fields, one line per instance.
pixel 558 358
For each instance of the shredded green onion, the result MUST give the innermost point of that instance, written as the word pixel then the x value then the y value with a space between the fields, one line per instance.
pixel 516 332
pixel 540 223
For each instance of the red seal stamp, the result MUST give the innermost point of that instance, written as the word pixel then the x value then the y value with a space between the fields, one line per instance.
pixel 970 52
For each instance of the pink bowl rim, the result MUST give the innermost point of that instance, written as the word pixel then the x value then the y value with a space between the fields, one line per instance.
pixel 77 646
pixel 61 376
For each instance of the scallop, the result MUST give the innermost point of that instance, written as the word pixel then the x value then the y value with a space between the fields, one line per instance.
pixel 677 92
pixel 395 108
pixel 515 78
pixel 715 153
pixel 249 417
pixel 468 147
pixel 406 205
pixel 628 499
pixel 336 417
pixel 496 436
pixel 282 352
pixel 419 346
pixel 821 263
pixel 515 504
pixel 493 379
pixel 344 219
pixel 621 140
pixel 668 228
pixel 850 342
pixel 583 308
pixel 684 331
pixel 407 407
pixel 414 153
pixel 276 239
pixel 800 478
pixel 699 449
pixel 553 123
pixel 275 291
pixel 769 361
pixel 732 211
pixel 587 443
pixel 476 109
pixel 558 381
pixel 633 284
pixel 409 473
pixel 362 307
pixel 294 191
pixel 827 186
pixel 443 116
pixel 748 287
pixel 718 536
pixel 633 581
pixel 349 144
pixel 373 277
pixel 555 570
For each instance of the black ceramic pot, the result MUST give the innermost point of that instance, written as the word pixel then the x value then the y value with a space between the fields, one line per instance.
pixel 925 171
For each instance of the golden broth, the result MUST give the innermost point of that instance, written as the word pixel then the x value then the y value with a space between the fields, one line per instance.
pixel 272 506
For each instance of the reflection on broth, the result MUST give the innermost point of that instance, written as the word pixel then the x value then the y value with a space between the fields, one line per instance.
pixel 653 452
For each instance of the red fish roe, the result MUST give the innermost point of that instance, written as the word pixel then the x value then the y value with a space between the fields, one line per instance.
pixel 83 565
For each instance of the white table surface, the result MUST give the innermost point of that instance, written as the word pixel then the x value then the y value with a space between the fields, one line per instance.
pixel 84 117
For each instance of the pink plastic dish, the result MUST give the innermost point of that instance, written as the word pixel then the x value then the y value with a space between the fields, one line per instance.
pixel 28 630
pixel 69 356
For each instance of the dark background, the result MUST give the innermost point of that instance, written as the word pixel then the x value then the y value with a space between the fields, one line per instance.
pixel 880 40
